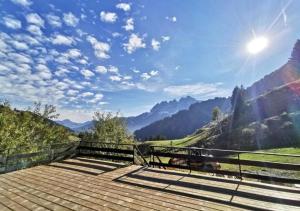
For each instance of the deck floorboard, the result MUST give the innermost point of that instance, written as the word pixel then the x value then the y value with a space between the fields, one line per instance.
pixel 88 184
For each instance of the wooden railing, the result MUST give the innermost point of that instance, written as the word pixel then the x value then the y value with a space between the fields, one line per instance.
pixel 20 158
pixel 156 156
pixel 112 151
pixel 200 155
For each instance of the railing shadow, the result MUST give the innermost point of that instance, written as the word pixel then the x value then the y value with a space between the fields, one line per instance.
pixel 89 166
pixel 145 179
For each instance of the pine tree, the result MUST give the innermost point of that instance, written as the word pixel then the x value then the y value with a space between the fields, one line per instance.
pixel 296 52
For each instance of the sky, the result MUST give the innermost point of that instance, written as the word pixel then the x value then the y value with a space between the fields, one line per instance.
pixel 85 56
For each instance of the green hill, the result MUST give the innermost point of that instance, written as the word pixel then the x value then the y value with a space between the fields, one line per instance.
pixel 26 130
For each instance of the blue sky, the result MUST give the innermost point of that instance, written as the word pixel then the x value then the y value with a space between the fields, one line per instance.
pixel 84 56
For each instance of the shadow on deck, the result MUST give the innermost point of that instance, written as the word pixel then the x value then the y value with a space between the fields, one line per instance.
pixel 88 184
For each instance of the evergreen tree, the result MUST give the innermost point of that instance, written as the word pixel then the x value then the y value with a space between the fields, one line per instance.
pixel 296 52
pixel 239 103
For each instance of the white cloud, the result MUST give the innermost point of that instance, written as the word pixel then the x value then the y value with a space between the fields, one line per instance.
pixel 165 38
pixel 73 53
pixel 72 92
pixel 19 45
pixel 201 90
pixel 87 94
pixel 147 76
pixel 127 77
pixel 54 20
pixel 129 25
pixel 11 22
pixel 155 44
pixel 153 72
pixel 116 34
pixel 101 69
pixel 62 40
pixel 115 78
pixel 113 69
pixel 101 49
pixel 34 18
pixel 20 58
pixel 123 6
pixel 35 30
pixel 97 98
pixel 70 19
pixel 43 71
pixel 24 3
pixel 87 73
pixel 134 43
pixel 135 70
pixel 108 17
pixel 172 19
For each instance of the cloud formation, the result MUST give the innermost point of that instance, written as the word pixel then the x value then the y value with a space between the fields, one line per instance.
pixel 135 42
pixel 108 17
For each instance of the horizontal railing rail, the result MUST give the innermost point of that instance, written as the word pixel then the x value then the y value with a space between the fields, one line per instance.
pixel 107 150
pixel 156 156
pixel 191 158
pixel 24 157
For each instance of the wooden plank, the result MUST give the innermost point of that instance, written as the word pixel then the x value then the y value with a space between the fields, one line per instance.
pixel 105 181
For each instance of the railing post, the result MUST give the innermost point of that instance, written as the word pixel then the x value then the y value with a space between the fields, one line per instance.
pixel 152 150
pixel 189 160
pixel 240 169
pixel 6 159
pixel 133 152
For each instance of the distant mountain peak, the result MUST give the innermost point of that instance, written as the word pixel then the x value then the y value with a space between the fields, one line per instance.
pixel 159 111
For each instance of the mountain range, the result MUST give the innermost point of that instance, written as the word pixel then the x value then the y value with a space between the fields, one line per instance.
pixel 184 122
pixel 157 112
pixel 77 127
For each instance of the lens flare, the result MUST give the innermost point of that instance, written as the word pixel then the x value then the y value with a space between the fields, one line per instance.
pixel 257 45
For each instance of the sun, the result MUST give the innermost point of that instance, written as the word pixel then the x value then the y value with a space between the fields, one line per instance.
pixel 257 45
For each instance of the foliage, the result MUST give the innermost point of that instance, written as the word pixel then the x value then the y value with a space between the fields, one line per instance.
pixel 216 114
pixel 30 129
pixel 296 52
pixel 238 103
pixel 108 127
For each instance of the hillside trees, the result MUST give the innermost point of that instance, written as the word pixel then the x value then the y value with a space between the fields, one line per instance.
pixel 30 129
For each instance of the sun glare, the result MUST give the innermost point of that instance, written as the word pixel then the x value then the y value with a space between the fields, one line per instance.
pixel 257 45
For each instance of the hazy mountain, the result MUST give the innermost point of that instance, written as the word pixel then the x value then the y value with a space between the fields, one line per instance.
pixel 158 112
pixel 75 126
pixel 184 122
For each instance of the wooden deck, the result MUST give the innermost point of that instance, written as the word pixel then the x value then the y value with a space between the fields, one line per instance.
pixel 87 184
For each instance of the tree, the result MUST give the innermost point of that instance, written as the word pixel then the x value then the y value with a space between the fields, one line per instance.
pixel 216 114
pixel 296 52
pixel 238 101
pixel 109 127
